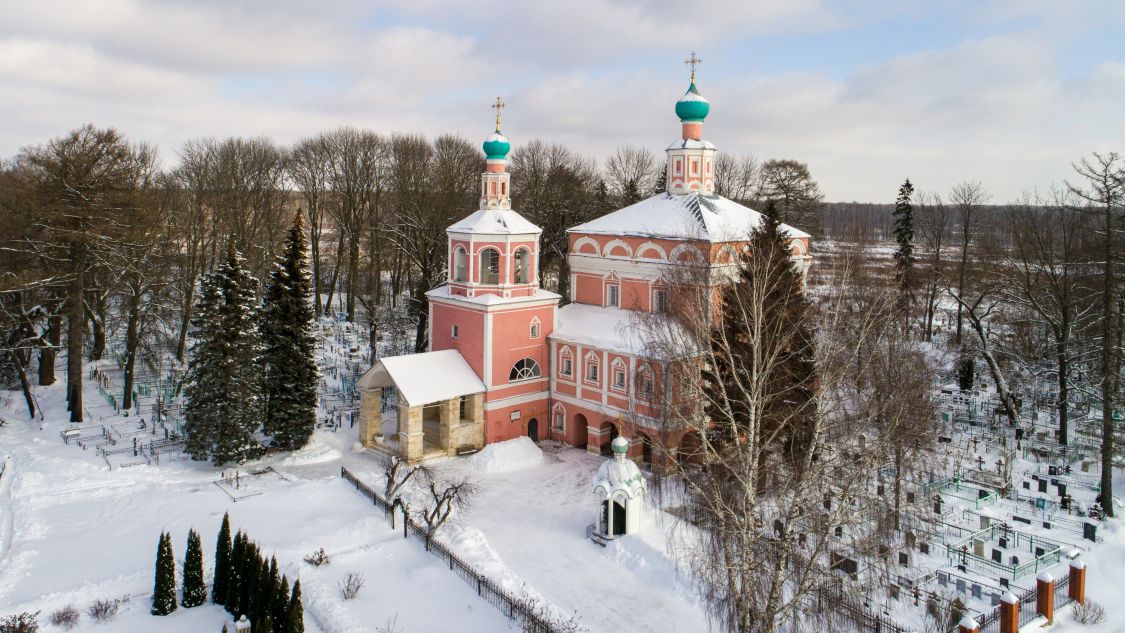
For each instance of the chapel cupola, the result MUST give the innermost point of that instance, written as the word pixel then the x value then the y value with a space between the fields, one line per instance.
pixel 495 181
pixel 691 160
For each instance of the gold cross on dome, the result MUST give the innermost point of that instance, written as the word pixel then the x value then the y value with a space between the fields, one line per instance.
pixel 693 61
pixel 499 105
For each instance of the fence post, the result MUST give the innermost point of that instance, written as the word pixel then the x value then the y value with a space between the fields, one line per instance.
pixel 1045 596
pixel 1077 587
pixel 968 625
pixel 1009 613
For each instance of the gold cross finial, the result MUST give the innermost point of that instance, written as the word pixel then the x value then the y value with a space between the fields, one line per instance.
pixel 498 106
pixel 693 61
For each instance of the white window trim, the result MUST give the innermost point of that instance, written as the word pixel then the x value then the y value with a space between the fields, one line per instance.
pixel 591 360
pixel 535 327
pixel 619 369
pixel 525 378
pixel 555 413
pixel 453 331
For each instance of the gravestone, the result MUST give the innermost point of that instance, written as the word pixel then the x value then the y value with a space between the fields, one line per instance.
pixel 910 497
pixel 978 547
pixel 1062 490
pixel 961 586
pixel 879 490
pixel 1026 485
pixel 924 547
pixel 943 579
pixel 1039 552
pixel 1047 524
pixel 997 555
pixel 1089 531
pixel 903 559
pixel 1004 542
pixel 984 522
pixel 994 599
pixel 910 540
pixel 1015 560
pixel 976 591
pixel 1042 485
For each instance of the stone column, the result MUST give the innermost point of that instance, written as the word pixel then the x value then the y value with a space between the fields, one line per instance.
pixel 1045 596
pixel 411 435
pixel 448 415
pixel 475 411
pixel 1009 613
pixel 370 415
pixel 1077 587
pixel 968 625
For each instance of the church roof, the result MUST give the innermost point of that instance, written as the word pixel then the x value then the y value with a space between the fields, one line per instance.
pixel 495 222
pixel 425 378
pixel 619 473
pixel 626 331
pixel 690 216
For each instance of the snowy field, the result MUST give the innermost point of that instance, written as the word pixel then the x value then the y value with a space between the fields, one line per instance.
pixel 73 531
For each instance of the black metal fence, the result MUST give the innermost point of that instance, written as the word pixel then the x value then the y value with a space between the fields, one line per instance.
pixel 990 622
pixel 832 595
pixel 526 612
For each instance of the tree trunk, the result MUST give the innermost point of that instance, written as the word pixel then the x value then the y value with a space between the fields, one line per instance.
pixel 1064 387
pixel 1110 367
pixel 132 340
pixel 97 329
pixel 898 486
pixel 185 319
pixel 76 321
pixel 49 352
pixel 353 275
pixel 25 382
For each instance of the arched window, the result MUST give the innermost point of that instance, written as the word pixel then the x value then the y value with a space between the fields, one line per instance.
pixel 490 266
pixel 566 362
pixel 524 369
pixel 558 418
pixel 535 327
pixel 522 260
pixel 460 264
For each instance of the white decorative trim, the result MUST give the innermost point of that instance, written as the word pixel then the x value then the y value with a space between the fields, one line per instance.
pixel 688 249
pixel 652 246
pixel 614 244
pixel 582 242
pixel 487 349
pixel 516 400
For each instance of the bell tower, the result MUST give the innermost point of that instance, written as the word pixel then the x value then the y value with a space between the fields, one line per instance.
pixel 691 160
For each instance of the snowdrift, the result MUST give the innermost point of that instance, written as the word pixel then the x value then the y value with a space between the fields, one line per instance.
pixel 506 457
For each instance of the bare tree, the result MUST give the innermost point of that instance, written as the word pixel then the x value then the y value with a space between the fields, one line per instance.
pixel 967 199
pixel 308 168
pixel 1046 278
pixel 1104 192
pixel 631 174
pixel 446 497
pixel 933 228
pixel 736 177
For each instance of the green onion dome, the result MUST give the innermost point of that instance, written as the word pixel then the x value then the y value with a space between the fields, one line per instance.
pixel 496 146
pixel 692 106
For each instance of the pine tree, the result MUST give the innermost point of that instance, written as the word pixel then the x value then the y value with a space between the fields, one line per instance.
pixel 295 616
pixel 195 586
pixel 281 605
pixel 271 588
pixel 264 623
pixel 222 562
pixel 224 385
pixel 290 346
pixel 247 590
pixel 164 585
pixel 904 234
pixel 263 591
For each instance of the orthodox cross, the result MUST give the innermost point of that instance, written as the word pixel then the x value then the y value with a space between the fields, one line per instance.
pixel 693 61
pixel 498 106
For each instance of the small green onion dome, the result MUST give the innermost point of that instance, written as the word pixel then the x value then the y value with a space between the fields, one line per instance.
pixel 619 444
pixel 496 146
pixel 692 106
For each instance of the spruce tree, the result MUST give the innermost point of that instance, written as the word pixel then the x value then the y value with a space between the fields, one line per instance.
pixel 295 616
pixel 763 367
pixel 224 385
pixel 164 585
pixel 234 579
pixel 248 591
pixel 281 605
pixel 264 623
pixel 904 236
pixel 270 588
pixel 290 346
pixel 222 562
pixel 195 586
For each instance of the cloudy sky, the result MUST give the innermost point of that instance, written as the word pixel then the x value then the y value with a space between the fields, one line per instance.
pixel 867 92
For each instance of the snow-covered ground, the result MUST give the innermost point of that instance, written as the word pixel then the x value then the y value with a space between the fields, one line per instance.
pixel 73 531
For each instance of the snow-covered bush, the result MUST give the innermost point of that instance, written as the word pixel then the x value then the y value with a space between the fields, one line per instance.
pixel 351 584
pixel 1089 612
pixel 104 610
pixel 317 558
pixel 20 623
pixel 66 617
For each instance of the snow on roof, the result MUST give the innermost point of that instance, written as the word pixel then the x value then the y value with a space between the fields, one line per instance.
pixel 689 216
pixel 618 473
pixel 612 329
pixel 492 299
pixel 495 222
pixel 690 143
pixel 425 378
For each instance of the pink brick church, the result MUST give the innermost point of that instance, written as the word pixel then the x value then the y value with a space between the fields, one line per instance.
pixel 507 361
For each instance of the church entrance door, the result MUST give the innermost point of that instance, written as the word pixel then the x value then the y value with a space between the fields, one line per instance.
pixel 533 429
